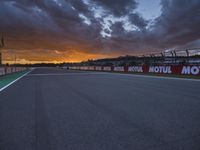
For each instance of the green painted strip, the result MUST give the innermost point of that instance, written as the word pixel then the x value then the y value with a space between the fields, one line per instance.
pixel 6 79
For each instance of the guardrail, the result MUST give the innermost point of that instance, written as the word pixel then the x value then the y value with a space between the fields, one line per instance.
pixel 193 70
pixel 9 70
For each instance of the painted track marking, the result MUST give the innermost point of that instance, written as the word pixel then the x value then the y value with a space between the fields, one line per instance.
pixel 3 88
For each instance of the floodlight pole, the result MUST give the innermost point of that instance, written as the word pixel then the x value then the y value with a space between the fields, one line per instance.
pixel 1 47
pixel 0 57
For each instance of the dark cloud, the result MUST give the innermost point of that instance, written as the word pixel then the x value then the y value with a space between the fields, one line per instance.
pixel 138 21
pixel 178 23
pixel 47 24
pixel 177 27
pixel 118 7
pixel 56 24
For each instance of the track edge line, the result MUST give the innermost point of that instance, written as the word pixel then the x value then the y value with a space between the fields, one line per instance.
pixel 6 86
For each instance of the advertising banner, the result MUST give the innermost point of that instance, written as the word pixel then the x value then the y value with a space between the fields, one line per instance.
pixel 2 71
pixel 190 70
pixel 107 68
pixel 159 69
pixel 8 70
pixel 98 68
pixel 120 69
pixel 135 69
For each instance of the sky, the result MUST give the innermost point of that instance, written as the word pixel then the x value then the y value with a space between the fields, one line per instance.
pixel 77 30
pixel 149 9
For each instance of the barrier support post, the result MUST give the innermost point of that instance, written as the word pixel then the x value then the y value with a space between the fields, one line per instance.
pixel 1 47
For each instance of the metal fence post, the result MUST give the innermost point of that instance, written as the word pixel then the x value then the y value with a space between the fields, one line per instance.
pixel 1 47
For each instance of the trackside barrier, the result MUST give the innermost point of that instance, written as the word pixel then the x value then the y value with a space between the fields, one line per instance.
pixel 9 70
pixel 170 69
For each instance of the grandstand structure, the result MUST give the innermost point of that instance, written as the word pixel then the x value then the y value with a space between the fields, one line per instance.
pixel 167 57
pixel 188 56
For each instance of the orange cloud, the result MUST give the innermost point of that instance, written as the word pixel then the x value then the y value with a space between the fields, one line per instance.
pixel 50 56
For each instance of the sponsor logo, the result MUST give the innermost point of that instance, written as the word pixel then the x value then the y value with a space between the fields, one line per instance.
pixel 135 69
pixel 91 68
pixel 107 68
pixel 194 70
pixel 160 69
pixel 84 68
pixel 118 68
pixel 74 68
pixel 98 68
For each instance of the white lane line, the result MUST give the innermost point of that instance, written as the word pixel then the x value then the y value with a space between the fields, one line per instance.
pixel 63 74
pixel 3 88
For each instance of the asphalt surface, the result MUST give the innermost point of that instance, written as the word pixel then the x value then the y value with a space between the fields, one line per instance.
pixel 55 109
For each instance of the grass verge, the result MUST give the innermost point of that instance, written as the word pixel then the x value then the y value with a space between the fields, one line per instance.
pixel 6 79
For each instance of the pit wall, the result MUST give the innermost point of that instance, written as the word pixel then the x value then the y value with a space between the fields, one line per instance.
pixel 9 70
pixel 193 70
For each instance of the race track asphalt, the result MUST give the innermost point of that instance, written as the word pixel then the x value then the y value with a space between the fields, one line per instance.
pixel 57 109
